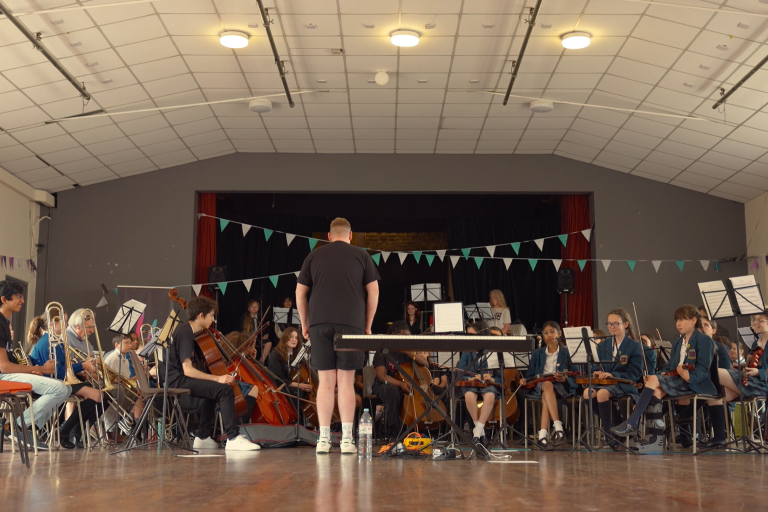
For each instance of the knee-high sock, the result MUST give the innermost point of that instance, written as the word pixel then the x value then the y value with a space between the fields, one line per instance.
pixel 72 425
pixel 604 409
pixel 645 399
pixel 717 414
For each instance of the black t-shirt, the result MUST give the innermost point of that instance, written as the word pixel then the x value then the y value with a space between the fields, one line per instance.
pixel 380 360
pixel 183 347
pixel 337 275
pixel 6 341
pixel 416 327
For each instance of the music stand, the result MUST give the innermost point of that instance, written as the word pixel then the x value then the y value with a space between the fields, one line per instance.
pixel 426 292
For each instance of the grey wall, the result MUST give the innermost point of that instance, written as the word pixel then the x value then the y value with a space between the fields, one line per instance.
pixel 141 230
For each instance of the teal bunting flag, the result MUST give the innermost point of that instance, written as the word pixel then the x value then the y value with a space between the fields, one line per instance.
pixel 274 280
pixel 154 323
pixel 376 258
pixel 581 264
pixel 516 247
pixel 717 267
pixel 563 239
pixel 312 243
pixel 268 233
pixel 631 265
pixel 222 287
pixel 465 252
pixel 223 224
pixel 680 265
pixel 116 288
pixel 430 258
pixel 533 263
pixel 478 261
pixel 417 255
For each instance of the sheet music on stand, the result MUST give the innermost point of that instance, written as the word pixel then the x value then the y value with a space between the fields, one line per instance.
pixel 472 313
pixel 434 292
pixel 127 316
pixel 485 310
pixel 509 360
pixel 168 329
pixel 748 296
pixel 449 317
pixel 749 337
pixel 716 301
pixel 522 360
pixel 281 315
pixel 578 351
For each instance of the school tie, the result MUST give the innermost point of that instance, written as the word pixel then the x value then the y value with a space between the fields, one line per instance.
pixel 130 367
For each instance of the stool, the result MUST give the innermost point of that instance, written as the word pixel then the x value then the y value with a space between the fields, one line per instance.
pixel 10 394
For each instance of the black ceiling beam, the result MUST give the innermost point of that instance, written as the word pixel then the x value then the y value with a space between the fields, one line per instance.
pixel 278 62
pixel 516 66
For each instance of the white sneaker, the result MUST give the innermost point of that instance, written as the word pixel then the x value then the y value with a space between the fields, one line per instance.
pixel 205 444
pixel 323 446
pixel 348 446
pixel 241 444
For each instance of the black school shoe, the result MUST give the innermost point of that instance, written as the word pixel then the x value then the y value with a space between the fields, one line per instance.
pixel 558 438
pixel 624 430
pixel 545 444
pixel 66 442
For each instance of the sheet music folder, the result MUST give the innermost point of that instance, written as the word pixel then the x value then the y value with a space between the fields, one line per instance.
pixel 127 316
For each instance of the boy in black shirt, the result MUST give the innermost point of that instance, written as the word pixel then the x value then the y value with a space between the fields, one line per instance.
pixel 183 353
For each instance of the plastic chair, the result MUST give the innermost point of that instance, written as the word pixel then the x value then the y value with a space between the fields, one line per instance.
pixel 11 394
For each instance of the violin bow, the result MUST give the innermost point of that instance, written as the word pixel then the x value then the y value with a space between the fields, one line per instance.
pixel 642 345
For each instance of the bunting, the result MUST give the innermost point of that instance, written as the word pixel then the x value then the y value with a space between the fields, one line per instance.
pixel 478 261
pixel 402 256
pixel 417 255
pixel 267 234
pixel 274 279
pixel 557 263
pixel 289 238
pixel 246 228
pixel 376 258
pixel 491 249
pixel 606 264
pixel 430 258
pixel 631 265
pixel 656 265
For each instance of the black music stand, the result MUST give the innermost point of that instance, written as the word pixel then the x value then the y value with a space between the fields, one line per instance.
pixel 425 292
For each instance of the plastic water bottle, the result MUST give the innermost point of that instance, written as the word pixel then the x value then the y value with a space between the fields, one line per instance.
pixel 365 437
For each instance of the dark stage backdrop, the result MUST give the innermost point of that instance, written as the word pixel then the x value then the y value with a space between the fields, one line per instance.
pixel 469 220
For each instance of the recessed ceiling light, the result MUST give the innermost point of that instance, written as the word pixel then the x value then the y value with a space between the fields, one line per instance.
pixel 233 39
pixel 576 40
pixel 404 38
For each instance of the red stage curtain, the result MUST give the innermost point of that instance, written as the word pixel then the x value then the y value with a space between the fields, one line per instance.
pixel 206 239
pixel 574 211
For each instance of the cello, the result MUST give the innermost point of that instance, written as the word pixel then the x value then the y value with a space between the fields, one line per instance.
pixel 414 404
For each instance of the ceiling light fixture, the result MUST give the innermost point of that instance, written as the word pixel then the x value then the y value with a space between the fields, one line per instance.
pixel 233 39
pixel 404 38
pixel 576 40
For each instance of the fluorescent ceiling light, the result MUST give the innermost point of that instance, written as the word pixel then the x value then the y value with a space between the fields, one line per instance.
pixel 575 40
pixel 405 38
pixel 234 39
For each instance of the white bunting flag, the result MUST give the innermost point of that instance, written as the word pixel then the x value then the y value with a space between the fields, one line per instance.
pixel 102 302
pixel 704 264
pixel 385 255
pixel 557 263
pixel 587 234
pixel 402 256
pixel 491 249
pixel 247 283
pixel 454 260
pixel 297 274
pixel 656 265
pixel 507 261
pixel 606 264
pixel 289 238
pixel 540 243
pixel 196 288
pixel 246 228
pixel 440 254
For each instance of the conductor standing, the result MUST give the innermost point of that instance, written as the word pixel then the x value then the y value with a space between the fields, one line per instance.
pixel 344 286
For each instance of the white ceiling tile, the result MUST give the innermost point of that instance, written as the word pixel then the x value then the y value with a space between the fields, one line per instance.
pixel 626 149
pixel 683 150
pixel 326 122
pixel 544 134
pixel 590 127
pixel 67 155
pixel 420 96
pixel 650 176
pixel 241 122
pixel 195 127
pixel 41 132
pixel 143 125
pixel 414 110
pixel 757 168
pixel 664 32
pixel 187 115
pixel 147 51
pixel 10 153
pixel 192 24
pixel 110 146
pixel 19 55
pixel 749 180
pixel 692 138
pixel 93 175
pixel 731 147
pixel 334 144
pixel 710 170
pixel 23 117
pixel 289 133
pixel 484 46
pixel 616 159
pixel 85 164
pixel 573 81
pixel 456 145
pixel 657 170
pixel 369 46
pixel 253 145
pixel 448 123
pixel 723 160
pixel 624 87
pixel 54 184
pixel 98 134
pixel 170 158
pixel 163 147
pixel 551 123
pixel 698 180
pixel 172 85
pixel 38 174
pixel 638 71
pixel 375 122
pixel 648 127
pixel 324 25
pixel 134 31
pixel 498 134
pixel 36 74
pixel 23 164
pixel 577 149
pixel 161 68
pixel 738 190
pixel 122 96
pixel 416 134
pixel 287 145
pixel 422 144
pixel 731 48
pixel 205 138
pixel 457 110
pixel 730 197
pixel 584 139
pixel 247 133
pixel 285 122
pixel 668 160
pixel 369 133
pixel 327 64
pixel 331 134
pixel 53 144
pixel 579 64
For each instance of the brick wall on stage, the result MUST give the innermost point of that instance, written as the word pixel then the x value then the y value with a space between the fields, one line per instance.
pixel 397 241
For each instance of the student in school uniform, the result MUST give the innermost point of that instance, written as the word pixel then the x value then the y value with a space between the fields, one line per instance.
pixel 627 357
pixel 552 358
pixel 709 327
pixel 693 347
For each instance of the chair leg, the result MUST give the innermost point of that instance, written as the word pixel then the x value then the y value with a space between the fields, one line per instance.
pixel 581 405
pixel 694 432
pixel 525 429
pixel 672 424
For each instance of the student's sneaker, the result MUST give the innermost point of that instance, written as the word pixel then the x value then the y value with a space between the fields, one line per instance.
pixel 205 444
pixel 347 446
pixel 323 446
pixel 26 438
pixel 241 444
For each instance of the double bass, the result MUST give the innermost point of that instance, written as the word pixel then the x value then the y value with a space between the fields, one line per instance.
pixel 414 404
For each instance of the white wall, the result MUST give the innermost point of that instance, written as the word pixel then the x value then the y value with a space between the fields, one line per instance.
pixel 756 216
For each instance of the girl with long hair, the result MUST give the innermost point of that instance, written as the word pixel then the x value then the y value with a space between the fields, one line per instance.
pixel 501 317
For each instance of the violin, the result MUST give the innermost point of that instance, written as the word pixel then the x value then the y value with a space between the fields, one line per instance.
pixel 414 403
pixel 303 373
pixel 673 373
pixel 752 361
pixel 610 381
pixel 548 378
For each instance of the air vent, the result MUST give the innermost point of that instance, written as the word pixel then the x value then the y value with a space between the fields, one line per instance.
pixel 311 26
pixel 474 81
pixel 429 26
pixel 722 47
pixel 337 51
pixel 368 25
pixel 76 44
pixel 58 22
pixel 702 66
pixel 323 81
pixel 488 25
pixel 686 84
pixel 548 25
pixel 742 25
pixel 422 81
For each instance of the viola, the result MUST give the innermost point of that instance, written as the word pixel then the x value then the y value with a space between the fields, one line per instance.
pixel 414 403
pixel 548 378
pixel 609 381
pixel 673 373
pixel 752 361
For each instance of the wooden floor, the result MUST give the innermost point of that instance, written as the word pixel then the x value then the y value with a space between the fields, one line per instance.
pixel 295 478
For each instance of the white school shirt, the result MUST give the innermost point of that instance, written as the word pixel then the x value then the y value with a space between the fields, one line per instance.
pixel 550 366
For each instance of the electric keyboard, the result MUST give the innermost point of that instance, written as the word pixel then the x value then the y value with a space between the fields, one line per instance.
pixel 434 342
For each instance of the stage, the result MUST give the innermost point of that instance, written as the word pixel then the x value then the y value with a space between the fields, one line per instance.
pixel 295 478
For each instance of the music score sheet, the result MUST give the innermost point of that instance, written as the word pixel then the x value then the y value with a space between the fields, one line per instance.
pixel 748 295
pixel 715 297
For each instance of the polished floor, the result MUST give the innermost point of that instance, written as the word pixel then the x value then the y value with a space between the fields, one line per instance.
pixel 297 479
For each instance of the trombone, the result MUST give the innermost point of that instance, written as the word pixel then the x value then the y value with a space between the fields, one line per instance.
pixel 89 315
pixel 54 312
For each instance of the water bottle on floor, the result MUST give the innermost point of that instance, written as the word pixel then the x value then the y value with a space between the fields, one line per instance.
pixel 365 437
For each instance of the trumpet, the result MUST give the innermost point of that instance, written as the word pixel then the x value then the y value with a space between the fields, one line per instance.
pixel 21 356
pixel 54 312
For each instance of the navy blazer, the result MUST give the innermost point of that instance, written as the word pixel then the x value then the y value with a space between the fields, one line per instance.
pixel 628 363
pixel 539 359
pixel 479 366
pixel 650 359
pixel 723 356
pixel 699 352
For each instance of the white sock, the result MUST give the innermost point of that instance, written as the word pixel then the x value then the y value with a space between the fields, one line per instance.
pixel 378 415
pixel 479 429
pixel 325 432
pixel 543 433
pixel 346 431
pixel 558 426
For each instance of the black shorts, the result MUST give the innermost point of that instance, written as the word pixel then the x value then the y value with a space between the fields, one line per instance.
pixel 324 354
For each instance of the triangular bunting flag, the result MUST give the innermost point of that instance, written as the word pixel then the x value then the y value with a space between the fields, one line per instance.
pixel 557 263
pixel 587 234
pixel 540 243
pixel 247 283
pixel 223 287
pixel 606 264
pixel 491 249
pixel 430 258
pixel 516 247
pixel 267 234
pixel 154 323
pixel 417 255
pixel 656 265
pixel 680 265
pixel 102 302
pixel 274 280
pixel 533 263
pixel 631 264
pixel 478 261
pixel 704 264
pixel 223 224
pixel 312 243
pixel 196 288
pixel 754 265
pixel 717 266
pixel 115 290
pixel 246 228
pixel 581 264
pixel 563 239
pixel 402 256
pixel 201 215
pixel 465 252
pixel 297 274
pixel 289 238
pixel 385 255
pixel 441 254
pixel 454 260
pixel 376 258
pixel 507 261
